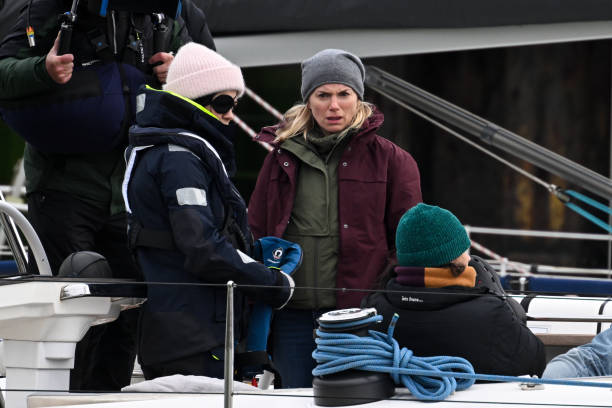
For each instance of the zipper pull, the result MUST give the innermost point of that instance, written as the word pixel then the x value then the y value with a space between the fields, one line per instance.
pixel 114 36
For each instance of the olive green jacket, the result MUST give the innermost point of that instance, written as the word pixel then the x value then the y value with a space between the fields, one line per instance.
pixel 314 224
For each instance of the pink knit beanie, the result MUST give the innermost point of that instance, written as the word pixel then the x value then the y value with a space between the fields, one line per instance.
pixel 197 71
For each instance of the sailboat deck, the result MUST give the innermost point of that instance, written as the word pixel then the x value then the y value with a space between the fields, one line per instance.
pixel 483 394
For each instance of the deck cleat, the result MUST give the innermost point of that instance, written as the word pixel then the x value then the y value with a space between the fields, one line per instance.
pixel 529 386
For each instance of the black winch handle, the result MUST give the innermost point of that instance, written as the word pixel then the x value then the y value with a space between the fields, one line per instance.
pixel 65 39
pixel 68 20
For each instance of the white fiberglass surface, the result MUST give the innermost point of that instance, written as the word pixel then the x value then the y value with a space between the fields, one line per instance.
pixel 485 395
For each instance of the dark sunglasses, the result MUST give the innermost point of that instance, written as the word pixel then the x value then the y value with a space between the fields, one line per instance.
pixel 221 104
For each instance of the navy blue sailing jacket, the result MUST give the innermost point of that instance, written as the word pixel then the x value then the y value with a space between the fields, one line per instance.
pixel 177 183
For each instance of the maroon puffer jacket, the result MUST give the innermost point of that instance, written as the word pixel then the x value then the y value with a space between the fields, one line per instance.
pixel 377 183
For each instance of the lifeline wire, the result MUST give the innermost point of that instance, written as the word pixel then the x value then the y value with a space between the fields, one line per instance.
pixel 13 281
pixel 427 378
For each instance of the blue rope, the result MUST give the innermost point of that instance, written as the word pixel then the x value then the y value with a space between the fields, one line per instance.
pixel 427 378
pixel 600 223
pixel 380 352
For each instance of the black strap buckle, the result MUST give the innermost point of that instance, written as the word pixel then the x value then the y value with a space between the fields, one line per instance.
pixel 98 39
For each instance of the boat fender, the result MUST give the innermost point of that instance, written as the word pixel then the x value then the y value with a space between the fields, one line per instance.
pixel 85 264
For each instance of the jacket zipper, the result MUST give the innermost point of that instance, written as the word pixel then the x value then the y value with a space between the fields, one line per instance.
pixel 316 274
pixel 114 32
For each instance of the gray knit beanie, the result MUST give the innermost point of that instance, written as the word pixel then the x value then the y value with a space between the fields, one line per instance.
pixel 332 66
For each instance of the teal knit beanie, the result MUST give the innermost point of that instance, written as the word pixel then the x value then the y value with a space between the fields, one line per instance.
pixel 429 236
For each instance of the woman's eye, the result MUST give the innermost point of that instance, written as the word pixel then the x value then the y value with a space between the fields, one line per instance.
pixel 323 95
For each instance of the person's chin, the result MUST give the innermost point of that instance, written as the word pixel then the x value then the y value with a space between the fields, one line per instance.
pixel 334 128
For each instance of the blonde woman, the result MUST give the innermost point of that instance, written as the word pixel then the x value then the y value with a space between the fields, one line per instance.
pixel 338 189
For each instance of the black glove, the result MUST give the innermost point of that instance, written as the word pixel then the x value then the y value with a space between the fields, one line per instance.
pixel 279 296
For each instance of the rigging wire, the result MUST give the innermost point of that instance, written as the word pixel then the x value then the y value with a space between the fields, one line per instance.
pixel 535 179
pixel 258 99
pixel 488 252
pixel 553 189
pixel 586 214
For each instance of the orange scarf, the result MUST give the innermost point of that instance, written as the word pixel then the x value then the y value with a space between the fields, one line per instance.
pixel 434 277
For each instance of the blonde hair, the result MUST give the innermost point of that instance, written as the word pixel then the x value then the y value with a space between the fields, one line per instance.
pixel 299 120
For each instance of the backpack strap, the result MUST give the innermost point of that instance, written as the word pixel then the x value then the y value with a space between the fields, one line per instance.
pixel 127 98
pixel 99 42
pixel 100 45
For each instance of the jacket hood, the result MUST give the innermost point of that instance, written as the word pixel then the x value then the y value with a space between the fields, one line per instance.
pixel 161 117
pixel 370 126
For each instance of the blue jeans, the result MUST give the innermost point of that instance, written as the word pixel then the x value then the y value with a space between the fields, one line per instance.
pixel 293 343
pixel 591 359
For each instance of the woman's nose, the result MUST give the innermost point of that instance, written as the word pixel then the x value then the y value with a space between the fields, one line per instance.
pixel 334 103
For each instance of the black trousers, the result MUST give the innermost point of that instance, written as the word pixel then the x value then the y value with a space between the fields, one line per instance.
pixel 104 358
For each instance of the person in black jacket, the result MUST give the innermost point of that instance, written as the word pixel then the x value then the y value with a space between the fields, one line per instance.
pixel 451 305
pixel 187 221
pixel 74 110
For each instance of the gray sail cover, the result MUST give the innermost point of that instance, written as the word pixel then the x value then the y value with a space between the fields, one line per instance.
pixel 256 32
pixel 258 16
